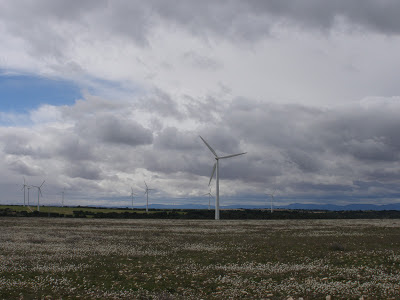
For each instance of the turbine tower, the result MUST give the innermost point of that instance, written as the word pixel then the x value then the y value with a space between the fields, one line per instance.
pixel 147 193
pixel 132 194
pixel 24 186
pixel 216 168
pixel 209 198
pixel 39 188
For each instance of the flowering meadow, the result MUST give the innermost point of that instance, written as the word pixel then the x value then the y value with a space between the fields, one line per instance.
pixel 53 258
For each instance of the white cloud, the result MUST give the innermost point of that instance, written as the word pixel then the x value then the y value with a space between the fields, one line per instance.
pixel 281 80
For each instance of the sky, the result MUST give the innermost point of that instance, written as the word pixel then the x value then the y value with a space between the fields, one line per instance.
pixel 97 97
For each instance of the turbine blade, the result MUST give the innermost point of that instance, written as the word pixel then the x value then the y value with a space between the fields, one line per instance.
pixel 212 173
pixel 209 147
pixel 42 183
pixel 145 184
pixel 232 155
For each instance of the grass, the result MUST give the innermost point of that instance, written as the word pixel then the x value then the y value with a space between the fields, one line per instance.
pixel 186 259
pixel 69 210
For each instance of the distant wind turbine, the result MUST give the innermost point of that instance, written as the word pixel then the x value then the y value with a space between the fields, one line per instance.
pixel 28 187
pixel 62 200
pixel 272 196
pixel 132 194
pixel 24 186
pixel 209 197
pixel 39 188
pixel 216 167
pixel 147 193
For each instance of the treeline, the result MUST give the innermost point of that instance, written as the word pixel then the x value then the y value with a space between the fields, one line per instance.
pixel 237 214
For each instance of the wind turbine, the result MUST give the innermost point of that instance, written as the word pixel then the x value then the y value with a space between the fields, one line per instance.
pixel 39 192
pixel 272 199
pixel 133 194
pixel 209 197
pixel 28 187
pixel 24 186
pixel 216 167
pixel 147 193
pixel 62 200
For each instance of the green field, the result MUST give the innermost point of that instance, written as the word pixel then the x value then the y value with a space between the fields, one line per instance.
pixel 192 214
pixel 69 210
pixel 186 259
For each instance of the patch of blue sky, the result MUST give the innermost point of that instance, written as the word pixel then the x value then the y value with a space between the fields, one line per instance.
pixel 21 93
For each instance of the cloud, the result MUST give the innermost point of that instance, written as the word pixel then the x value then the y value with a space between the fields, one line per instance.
pixel 135 19
pixel 278 79
pixel 22 142
pixel 73 148
pixel 297 149
pixel 160 103
pixel 200 61
pixel 23 168
pixel 171 138
pixel 86 171
pixel 111 129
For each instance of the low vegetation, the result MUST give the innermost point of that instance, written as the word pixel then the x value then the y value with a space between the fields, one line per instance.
pixel 198 259
pixel 229 214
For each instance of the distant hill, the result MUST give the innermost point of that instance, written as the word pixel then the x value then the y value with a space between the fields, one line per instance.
pixel 330 207
pixel 333 207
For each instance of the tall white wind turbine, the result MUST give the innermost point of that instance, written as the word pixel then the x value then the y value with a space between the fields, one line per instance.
pixel 147 193
pixel 132 194
pixel 24 186
pixel 39 188
pixel 216 168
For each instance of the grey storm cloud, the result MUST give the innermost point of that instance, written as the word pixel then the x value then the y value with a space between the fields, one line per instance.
pixel 17 145
pixel 23 168
pixel 85 171
pixel 111 129
pixel 250 17
pixel 203 110
pixel 22 142
pixel 74 148
pixel 172 138
pixel 300 131
pixel 160 103
pixel 232 19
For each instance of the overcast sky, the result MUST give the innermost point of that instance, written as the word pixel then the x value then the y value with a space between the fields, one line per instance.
pixel 98 96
